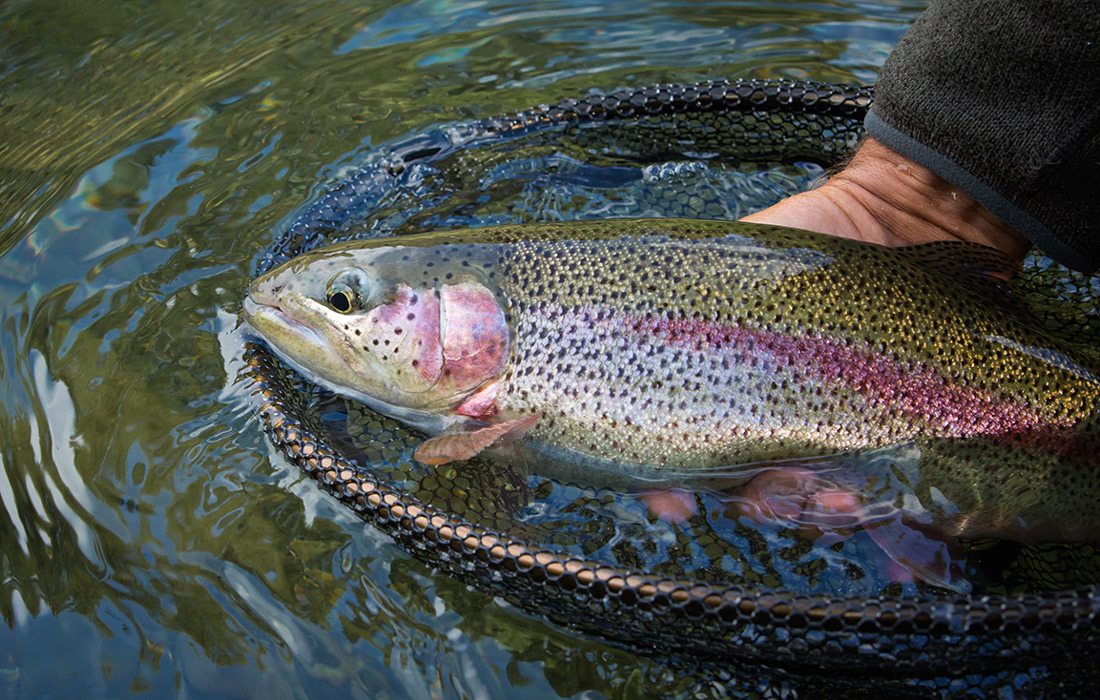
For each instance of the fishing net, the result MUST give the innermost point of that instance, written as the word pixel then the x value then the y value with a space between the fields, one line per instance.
pixel 678 572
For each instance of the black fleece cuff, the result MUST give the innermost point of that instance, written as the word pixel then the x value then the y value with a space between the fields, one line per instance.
pixel 989 198
pixel 1002 99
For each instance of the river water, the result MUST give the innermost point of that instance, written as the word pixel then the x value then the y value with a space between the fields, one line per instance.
pixel 149 541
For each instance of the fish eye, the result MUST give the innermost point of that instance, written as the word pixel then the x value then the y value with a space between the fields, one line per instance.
pixel 347 291
pixel 341 301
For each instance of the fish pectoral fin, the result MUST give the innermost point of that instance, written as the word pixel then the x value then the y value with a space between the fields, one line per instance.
pixel 462 445
pixel 926 555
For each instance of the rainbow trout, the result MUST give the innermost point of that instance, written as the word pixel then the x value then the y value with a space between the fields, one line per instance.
pixel 676 346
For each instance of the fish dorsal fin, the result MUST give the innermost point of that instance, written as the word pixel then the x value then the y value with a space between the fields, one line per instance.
pixel 971 271
pixel 955 258
pixel 1066 302
pixel 1063 303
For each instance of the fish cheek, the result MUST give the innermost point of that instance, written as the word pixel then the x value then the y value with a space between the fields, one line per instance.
pixel 475 335
pixel 404 336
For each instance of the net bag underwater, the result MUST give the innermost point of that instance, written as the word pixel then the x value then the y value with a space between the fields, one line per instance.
pixel 703 587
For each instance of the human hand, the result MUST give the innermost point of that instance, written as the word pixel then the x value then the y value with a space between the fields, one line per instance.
pixel 882 197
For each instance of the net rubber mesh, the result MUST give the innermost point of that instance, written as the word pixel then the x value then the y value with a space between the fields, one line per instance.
pixel 724 598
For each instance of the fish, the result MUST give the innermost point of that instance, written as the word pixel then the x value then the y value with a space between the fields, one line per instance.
pixel 664 348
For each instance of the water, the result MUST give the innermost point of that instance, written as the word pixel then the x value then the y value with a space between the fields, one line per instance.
pixel 148 153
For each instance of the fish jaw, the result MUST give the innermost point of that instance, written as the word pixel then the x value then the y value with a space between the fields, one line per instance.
pixel 282 332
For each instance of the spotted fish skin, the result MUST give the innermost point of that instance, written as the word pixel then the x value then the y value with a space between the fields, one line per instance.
pixel 684 344
pixel 756 344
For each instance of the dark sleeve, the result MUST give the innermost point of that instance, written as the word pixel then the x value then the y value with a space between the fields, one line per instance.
pixel 1001 98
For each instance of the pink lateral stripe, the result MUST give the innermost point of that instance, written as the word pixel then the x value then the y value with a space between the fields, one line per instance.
pixel 918 392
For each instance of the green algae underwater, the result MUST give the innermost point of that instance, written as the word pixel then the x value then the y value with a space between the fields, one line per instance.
pixel 152 541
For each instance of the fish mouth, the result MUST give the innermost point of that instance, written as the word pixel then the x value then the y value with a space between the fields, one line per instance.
pixel 272 324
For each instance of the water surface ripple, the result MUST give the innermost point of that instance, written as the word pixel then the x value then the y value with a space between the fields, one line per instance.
pixel 148 152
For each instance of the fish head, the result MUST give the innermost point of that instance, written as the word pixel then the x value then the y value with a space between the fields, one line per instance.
pixel 407 327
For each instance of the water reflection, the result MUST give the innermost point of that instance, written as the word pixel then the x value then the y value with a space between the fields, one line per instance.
pixel 148 541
